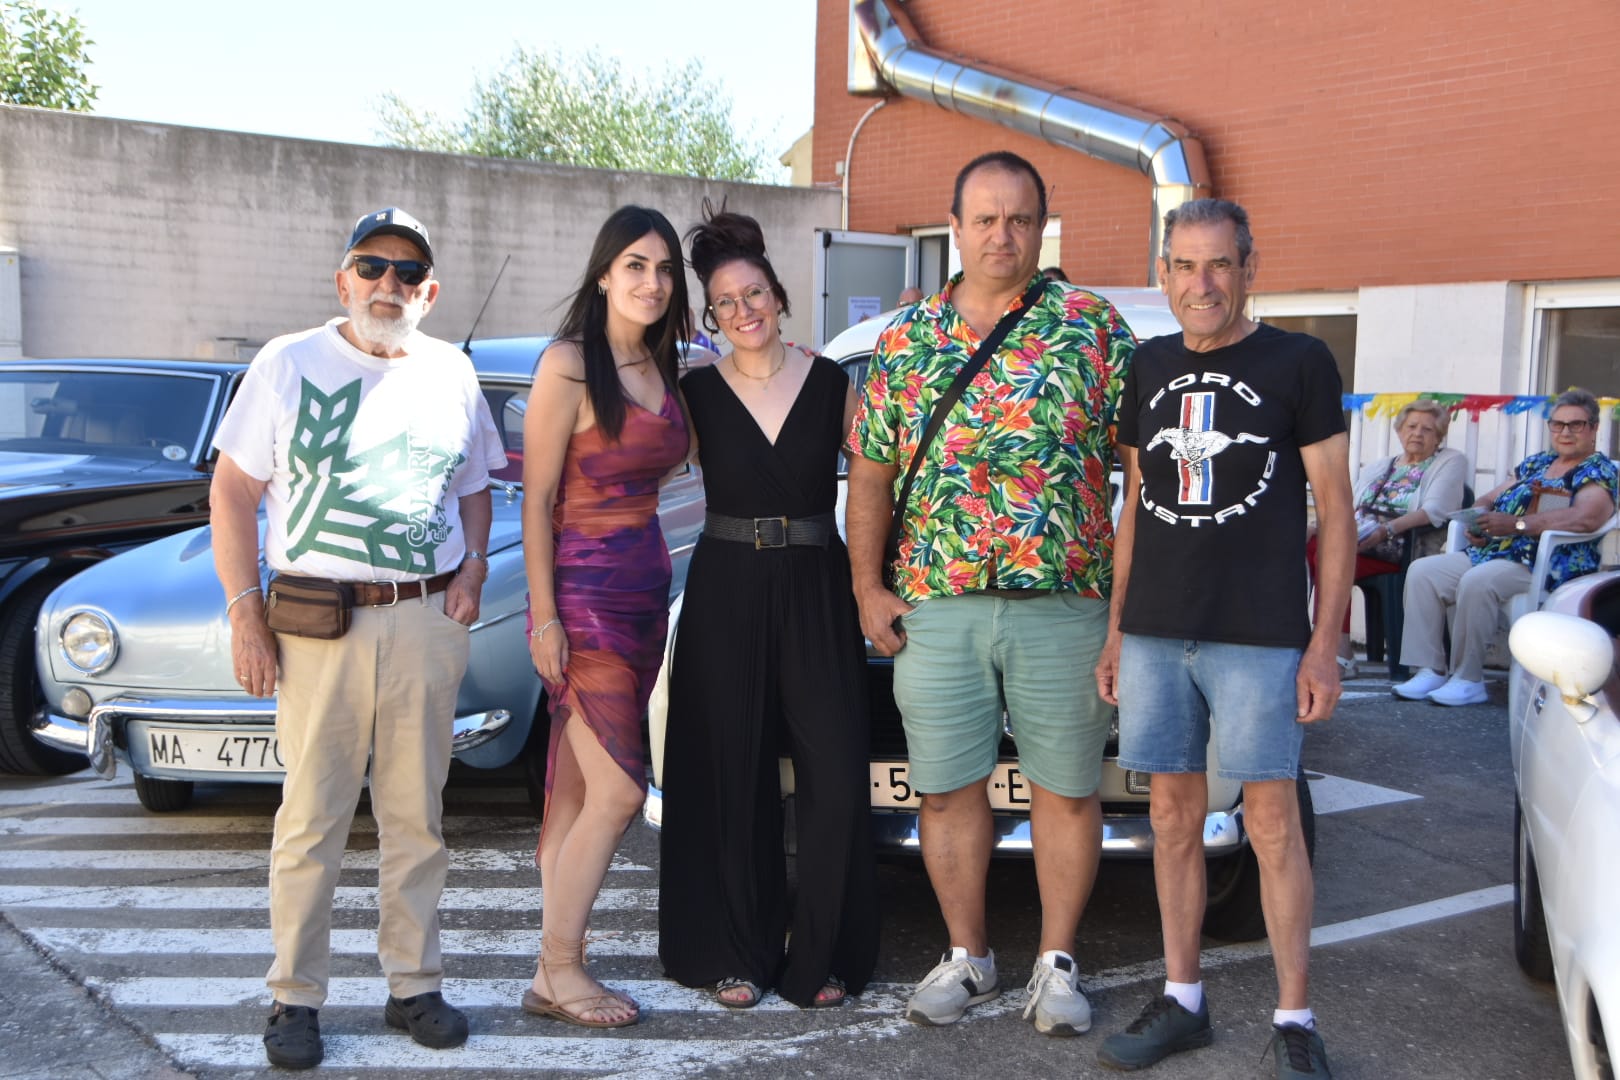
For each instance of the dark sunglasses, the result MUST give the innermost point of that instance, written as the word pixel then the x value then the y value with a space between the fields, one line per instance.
pixel 373 267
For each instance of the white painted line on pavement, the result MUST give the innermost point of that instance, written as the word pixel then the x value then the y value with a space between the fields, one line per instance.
pixel 1335 794
pixel 165 859
pixel 196 825
pixel 631 1054
pixel 257 898
pixel 654 995
pixel 255 941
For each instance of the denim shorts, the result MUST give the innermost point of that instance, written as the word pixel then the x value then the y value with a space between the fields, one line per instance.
pixel 1171 692
pixel 968 657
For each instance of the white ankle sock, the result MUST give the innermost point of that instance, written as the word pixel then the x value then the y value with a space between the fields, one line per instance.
pixel 1189 995
pixel 1303 1017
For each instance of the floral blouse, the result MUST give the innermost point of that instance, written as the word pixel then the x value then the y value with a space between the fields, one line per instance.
pixel 1570 560
pixel 1013 492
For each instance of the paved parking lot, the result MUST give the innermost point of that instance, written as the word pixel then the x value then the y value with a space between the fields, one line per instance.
pixel 163 919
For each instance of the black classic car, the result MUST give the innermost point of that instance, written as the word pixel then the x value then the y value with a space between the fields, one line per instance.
pixel 96 457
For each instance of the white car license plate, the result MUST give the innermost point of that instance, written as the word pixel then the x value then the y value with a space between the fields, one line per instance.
pixel 214 751
pixel 891 790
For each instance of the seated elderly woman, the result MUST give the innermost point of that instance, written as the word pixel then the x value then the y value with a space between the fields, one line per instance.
pixel 1570 487
pixel 1415 489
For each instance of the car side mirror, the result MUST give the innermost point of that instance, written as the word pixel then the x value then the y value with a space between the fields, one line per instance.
pixel 1573 654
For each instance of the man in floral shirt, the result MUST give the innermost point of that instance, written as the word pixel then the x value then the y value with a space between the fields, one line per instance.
pixel 1001 587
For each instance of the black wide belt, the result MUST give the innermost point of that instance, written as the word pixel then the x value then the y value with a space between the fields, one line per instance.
pixel 770 532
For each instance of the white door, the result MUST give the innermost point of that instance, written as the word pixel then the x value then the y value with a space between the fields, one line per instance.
pixel 858 276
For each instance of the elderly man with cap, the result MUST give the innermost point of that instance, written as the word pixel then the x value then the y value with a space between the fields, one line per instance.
pixel 370 445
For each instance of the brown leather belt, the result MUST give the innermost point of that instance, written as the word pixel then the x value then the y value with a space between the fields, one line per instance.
pixel 389 593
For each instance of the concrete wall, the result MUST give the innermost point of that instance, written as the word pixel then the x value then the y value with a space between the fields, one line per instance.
pixel 140 239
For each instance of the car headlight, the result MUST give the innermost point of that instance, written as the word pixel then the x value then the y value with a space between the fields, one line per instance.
pixel 89 642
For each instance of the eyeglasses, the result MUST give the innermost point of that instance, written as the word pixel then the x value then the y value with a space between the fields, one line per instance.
pixel 373 267
pixel 754 299
pixel 1574 427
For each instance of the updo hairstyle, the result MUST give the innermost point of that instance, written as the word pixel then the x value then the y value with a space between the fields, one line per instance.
pixel 723 237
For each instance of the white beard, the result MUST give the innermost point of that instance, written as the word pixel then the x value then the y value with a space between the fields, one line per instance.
pixel 390 334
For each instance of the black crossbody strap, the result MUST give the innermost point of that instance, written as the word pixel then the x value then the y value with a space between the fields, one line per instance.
pixel 953 393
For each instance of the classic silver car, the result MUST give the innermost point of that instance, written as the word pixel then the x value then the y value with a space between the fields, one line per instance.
pixel 1233 911
pixel 134 654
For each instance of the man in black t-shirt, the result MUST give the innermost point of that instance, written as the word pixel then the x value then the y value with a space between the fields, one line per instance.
pixel 1220 430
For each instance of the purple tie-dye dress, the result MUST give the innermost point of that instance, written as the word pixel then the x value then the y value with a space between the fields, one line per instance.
pixel 612 580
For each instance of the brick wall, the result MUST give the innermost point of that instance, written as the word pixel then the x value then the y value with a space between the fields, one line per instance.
pixel 1375 143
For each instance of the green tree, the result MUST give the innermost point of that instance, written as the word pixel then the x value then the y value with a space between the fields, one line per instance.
pixel 42 58
pixel 543 107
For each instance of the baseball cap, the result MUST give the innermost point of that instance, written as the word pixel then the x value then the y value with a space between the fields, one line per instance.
pixel 392 222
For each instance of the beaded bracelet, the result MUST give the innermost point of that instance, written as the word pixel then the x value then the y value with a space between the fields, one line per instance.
pixel 544 627
pixel 239 596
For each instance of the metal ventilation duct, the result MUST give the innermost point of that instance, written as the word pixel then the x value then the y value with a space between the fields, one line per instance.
pixel 886 57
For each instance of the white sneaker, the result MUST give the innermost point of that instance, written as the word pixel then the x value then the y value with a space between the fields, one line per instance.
pixel 1348 668
pixel 1055 1002
pixel 955 983
pixel 1419 686
pixel 1459 691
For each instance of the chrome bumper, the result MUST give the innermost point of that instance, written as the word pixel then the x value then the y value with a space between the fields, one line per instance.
pixel 1124 836
pixel 93 736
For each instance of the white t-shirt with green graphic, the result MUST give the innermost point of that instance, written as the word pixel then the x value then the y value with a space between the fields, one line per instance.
pixel 365 458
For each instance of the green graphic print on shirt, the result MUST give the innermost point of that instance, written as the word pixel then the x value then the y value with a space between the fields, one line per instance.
pixel 375 507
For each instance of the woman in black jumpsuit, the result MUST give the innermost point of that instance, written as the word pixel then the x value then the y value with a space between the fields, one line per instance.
pixel 769 660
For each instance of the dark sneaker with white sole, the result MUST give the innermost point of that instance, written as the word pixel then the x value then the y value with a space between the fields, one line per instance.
pixel 292 1038
pixel 1298 1053
pixel 1164 1028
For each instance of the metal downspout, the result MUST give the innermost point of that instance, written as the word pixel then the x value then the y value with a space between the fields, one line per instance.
pixel 887 57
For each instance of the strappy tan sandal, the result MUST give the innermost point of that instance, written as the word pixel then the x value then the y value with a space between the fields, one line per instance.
pixel 567 953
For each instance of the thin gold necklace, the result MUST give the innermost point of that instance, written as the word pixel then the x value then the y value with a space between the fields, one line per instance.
pixel 768 376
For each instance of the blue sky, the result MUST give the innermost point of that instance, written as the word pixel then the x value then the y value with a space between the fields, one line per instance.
pixel 317 68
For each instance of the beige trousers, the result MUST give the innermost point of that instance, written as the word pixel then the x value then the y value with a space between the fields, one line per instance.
pixel 384 693
pixel 1477 592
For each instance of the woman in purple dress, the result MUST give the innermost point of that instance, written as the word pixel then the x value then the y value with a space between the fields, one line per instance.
pixel 604 426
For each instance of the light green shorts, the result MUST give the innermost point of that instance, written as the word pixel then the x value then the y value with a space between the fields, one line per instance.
pixel 969 657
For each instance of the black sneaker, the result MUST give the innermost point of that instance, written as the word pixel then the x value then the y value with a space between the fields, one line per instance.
pixel 431 1020
pixel 292 1038
pixel 1298 1052
pixel 1164 1028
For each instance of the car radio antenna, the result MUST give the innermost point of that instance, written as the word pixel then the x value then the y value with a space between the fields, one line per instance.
pixel 466 346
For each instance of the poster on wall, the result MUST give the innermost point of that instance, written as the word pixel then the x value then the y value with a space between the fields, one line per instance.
pixel 862 308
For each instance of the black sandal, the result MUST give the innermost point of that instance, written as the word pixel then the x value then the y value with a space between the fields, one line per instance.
pixel 292 1038
pixel 833 983
pixel 733 983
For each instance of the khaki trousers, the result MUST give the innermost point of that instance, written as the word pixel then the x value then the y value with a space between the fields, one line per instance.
pixel 1477 592
pixel 384 693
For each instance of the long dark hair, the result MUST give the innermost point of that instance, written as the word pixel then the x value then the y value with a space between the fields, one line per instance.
pixel 722 237
pixel 586 320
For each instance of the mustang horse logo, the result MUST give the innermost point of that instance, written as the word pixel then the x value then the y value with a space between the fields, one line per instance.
pixel 1194 443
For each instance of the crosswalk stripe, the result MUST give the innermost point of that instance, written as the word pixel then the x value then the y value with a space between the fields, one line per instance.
pixel 623 1056
pixel 654 995
pixel 251 941
pixel 169 859
pixel 92 790
pixel 257 898
pixel 200 824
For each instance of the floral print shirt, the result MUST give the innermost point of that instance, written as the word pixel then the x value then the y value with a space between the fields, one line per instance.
pixel 1570 560
pixel 1013 492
